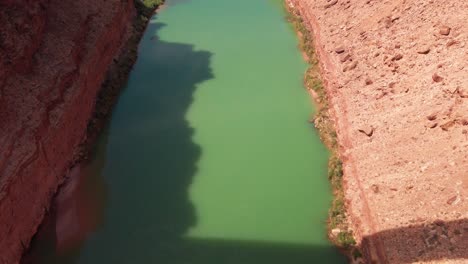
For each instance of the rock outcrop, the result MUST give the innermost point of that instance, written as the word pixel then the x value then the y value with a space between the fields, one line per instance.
pixel 54 55
pixel 406 183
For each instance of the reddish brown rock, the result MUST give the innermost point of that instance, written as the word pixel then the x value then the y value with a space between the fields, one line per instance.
pixel 54 55
pixel 444 30
pixel 432 117
pixel 451 200
pixel 350 66
pixel 330 3
pixel 463 93
pixel 437 78
pixel 397 57
pixel 424 50
pixel 344 57
pixel 451 43
pixel 339 49
pixel 448 125
pixel 433 125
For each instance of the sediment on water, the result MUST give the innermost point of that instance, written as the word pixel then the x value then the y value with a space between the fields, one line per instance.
pixel 339 231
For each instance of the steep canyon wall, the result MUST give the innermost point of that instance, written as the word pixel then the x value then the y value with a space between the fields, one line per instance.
pixel 54 55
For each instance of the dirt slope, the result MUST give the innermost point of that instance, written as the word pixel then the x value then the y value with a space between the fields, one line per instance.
pixel 396 73
pixel 54 55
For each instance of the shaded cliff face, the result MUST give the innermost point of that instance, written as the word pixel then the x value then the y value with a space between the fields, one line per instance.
pixel 54 55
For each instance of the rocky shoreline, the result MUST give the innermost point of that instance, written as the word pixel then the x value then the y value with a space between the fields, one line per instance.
pixel 339 231
pixel 50 86
pixel 107 96
pixel 396 83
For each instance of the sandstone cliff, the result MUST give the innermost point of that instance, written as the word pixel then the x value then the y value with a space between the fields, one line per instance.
pixel 54 55
pixel 396 75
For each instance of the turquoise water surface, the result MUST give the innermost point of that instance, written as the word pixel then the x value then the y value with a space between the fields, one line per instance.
pixel 208 157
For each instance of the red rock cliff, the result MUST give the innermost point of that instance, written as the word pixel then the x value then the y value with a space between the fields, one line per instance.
pixel 54 55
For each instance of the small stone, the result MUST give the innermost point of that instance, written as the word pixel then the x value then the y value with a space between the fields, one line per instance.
pixel 387 21
pixel 368 81
pixel 344 57
pixel 397 57
pixel 433 125
pixel 432 117
pixel 444 30
pixel 424 50
pixel 451 200
pixel 368 131
pixel 330 3
pixel 375 188
pixel 437 78
pixel 462 93
pixel 451 43
pixel 335 232
pixel 339 49
pixel 350 66
pixel 447 125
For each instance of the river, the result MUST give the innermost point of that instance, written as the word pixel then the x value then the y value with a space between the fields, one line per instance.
pixel 209 156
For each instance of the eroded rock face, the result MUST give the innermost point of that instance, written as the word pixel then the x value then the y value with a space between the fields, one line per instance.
pixel 407 184
pixel 54 55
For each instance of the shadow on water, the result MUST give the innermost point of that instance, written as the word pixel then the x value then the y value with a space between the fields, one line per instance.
pixel 149 161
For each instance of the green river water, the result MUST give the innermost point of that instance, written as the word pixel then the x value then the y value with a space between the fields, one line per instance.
pixel 209 157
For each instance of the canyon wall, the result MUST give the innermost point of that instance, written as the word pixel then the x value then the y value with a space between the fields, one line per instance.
pixel 54 55
pixel 396 76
